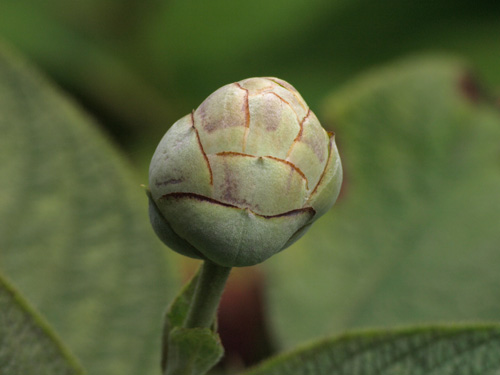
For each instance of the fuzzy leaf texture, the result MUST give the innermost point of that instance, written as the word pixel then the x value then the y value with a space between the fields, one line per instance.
pixel 27 344
pixel 425 351
pixel 74 233
pixel 414 238
pixel 192 351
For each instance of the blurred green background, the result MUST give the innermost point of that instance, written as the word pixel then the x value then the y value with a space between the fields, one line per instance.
pixel 411 90
pixel 141 65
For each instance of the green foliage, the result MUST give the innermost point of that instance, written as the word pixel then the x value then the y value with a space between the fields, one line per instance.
pixel 426 351
pixel 414 237
pixel 178 309
pixel 27 345
pixel 176 315
pixel 190 351
pixel 75 236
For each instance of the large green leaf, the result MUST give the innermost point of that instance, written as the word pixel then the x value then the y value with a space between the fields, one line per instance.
pixel 27 344
pixel 414 237
pixel 74 233
pixel 425 351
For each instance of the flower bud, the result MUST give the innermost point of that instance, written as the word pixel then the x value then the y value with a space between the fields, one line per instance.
pixel 243 176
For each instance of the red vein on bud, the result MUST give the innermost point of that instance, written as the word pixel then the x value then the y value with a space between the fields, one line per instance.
pixel 247 117
pixel 233 153
pixel 203 198
pixel 293 91
pixel 327 164
pixel 299 135
pixel 291 213
pixel 293 166
pixel 195 196
pixel 202 150
pixel 287 103
pixel 290 164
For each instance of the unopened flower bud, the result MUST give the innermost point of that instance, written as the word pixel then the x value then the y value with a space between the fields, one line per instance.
pixel 243 176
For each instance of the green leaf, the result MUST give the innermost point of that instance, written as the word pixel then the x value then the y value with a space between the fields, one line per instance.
pixel 188 351
pixel 178 309
pixel 75 236
pixel 414 236
pixel 441 350
pixel 192 351
pixel 176 314
pixel 27 344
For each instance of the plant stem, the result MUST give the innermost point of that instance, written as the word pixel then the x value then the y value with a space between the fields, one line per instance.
pixel 207 295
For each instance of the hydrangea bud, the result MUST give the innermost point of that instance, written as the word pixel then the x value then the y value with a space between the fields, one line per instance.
pixel 244 175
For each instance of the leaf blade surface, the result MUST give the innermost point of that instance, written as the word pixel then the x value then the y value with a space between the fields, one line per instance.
pixel 75 236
